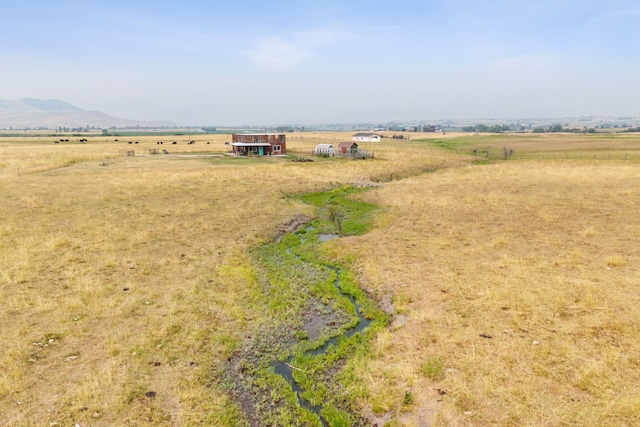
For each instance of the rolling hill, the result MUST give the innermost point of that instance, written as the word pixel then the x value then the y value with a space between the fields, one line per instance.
pixel 52 113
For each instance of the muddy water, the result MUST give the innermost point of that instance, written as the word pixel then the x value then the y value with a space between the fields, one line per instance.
pixel 285 369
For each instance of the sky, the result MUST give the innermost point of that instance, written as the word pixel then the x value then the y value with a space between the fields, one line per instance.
pixel 197 62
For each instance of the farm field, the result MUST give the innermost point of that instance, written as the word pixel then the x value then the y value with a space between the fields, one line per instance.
pixel 128 282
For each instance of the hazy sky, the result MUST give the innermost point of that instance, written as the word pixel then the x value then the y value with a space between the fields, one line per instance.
pixel 275 62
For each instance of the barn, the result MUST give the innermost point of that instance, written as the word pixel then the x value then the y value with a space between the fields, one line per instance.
pixel 259 144
pixel 323 150
pixel 367 137
pixel 347 148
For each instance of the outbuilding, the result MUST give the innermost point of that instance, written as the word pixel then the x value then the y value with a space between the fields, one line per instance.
pixel 347 148
pixel 323 150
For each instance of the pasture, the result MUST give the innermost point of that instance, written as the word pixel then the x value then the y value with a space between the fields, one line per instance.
pixel 126 282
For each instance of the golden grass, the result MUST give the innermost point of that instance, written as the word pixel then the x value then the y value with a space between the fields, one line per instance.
pixel 522 277
pixel 540 256
pixel 121 276
pixel 557 146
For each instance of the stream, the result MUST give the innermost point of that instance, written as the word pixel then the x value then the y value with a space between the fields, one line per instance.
pixel 289 372
pixel 285 369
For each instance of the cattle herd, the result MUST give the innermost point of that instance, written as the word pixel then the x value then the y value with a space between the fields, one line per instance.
pixel 66 140
pixel 130 142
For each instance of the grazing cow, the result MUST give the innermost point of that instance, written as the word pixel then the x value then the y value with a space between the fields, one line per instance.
pixel 208 142
pixel 115 140
pixel 62 140
pixel 130 142
pixel 174 142
pixel 66 140
pixel 56 142
pixel 136 142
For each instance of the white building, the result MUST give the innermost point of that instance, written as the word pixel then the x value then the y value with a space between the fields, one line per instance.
pixel 323 150
pixel 367 137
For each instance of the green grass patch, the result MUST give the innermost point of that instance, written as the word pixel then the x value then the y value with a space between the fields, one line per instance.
pixel 358 215
pixel 433 368
pixel 297 279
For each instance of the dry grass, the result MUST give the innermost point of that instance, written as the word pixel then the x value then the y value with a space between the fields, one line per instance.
pixel 522 278
pixel 540 256
pixel 121 276
pixel 554 146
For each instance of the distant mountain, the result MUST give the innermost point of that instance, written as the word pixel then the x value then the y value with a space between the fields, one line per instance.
pixel 53 113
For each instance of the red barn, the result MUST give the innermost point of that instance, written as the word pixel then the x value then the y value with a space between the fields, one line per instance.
pixel 347 148
pixel 259 144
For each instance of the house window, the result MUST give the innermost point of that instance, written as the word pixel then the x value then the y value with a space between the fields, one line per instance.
pixel 276 148
pixel 254 149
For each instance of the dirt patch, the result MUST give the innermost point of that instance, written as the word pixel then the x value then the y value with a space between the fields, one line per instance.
pixel 292 225
pixel 322 319
pixel 240 369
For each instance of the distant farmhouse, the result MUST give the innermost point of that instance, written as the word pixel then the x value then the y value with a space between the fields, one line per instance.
pixel 367 137
pixel 259 144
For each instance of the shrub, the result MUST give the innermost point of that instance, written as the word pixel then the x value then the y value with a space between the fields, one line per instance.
pixel 433 368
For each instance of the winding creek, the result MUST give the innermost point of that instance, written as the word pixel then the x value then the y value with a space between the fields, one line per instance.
pixel 290 371
pixel 285 369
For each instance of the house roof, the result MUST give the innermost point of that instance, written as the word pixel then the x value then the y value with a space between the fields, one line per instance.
pixel 251 144
pixel 347 144
pixel 327 146
pixel 267 133
pixel 365 134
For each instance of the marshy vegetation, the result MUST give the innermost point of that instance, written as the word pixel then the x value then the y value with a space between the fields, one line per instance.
pixel 318 318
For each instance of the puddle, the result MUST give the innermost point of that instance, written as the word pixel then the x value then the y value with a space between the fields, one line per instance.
pixel 326 237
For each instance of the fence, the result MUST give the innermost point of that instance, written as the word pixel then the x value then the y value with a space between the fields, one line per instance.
pixel 356 154
pixel 323 152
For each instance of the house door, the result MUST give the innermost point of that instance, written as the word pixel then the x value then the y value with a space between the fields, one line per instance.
pixel 260 151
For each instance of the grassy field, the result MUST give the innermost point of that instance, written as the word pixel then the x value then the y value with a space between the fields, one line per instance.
pixel 126 281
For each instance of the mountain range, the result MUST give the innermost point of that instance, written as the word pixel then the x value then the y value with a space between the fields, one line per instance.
pixel 53 113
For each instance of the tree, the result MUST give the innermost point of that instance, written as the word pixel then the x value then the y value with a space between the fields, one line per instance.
pixel 336 216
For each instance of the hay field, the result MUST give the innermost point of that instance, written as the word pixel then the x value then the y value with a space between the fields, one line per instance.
pixel 125 284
